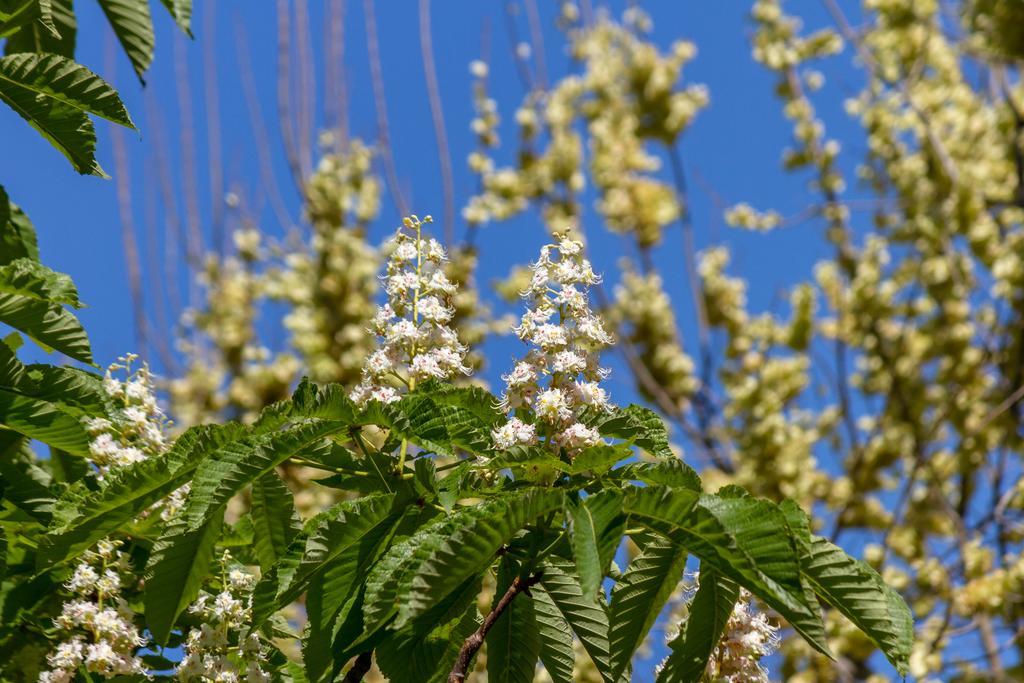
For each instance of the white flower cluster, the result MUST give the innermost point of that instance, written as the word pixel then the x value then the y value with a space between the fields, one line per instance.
pixel 100 635
pixel 222 649
pixel 748 638
pixel 136 431
pixel 416 341
pixel 567 338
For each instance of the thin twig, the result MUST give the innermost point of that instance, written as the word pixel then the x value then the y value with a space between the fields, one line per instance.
pixel 284 105
pixel 473 642
pixel 437 115
pixel 259 129
pixel 122 179
pixel 211 89
pixel 337 98
pixel 307 85
pixel 380 103
pixel 537 36
pixel 194 238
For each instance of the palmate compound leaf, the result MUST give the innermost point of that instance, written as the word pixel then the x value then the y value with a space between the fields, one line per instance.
pixel 42 420
pixel 746 539
pixel 32 300
pixel 234 466
pixel 336 535
pixel 133 27
pixel 640 594
pixel 55 95
pixel 426 649
pixel 855 589
pixel 83 516
pixel 175 574
pixel 178 565
pixel 709 613
pixel 17 235
pixel 637 425
pixel 471 548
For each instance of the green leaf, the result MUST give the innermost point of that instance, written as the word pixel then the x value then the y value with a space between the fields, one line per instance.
pixel 181 11
pixel 134 30
pixel 43 421
pixel 236 464
pixel 57 35
pixel 29 278
pixel 639 596
pixel 471 547
pixel 556 643
pixel 513 643
pixel 32 299
pixel 855 589
pixel 746 539
pixel 23 483
pixel 597 526
pixel 599 459
pixel 709 613
pixel 83 516
pixel 55 94
pixel 637 425
pixel 672 473
pixel 14 16
pixel 585 615
pixel 17 236
pixel 273 517
pixel 177 566
pixel 426 649
pixel 343 534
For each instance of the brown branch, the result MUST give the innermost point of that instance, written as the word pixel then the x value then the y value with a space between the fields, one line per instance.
pixel 537 36
pixel 474 641
pixel 194 238
pixel 437 115
pixel 211 89
pixel 307 85
pixel 336 107
pixel 284 105
pixel 380 103
pixel 172 226
pixel 122 178
pixel 359 668
pixel 162 330
pixel 259 129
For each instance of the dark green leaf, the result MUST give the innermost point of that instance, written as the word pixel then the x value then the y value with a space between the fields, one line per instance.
pixel 179 563
pixel 746 539
pixel 855 589
pixel 55 94
pixel 134 30
pixel 640 594
pixel 513 643
pixel 556 641
pixel 273 517
pixel 597 526
pixel 709 613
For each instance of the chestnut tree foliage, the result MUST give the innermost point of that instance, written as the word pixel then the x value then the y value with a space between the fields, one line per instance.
pixel 340 496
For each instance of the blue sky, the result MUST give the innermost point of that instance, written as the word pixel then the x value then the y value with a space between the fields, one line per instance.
pixel 731 154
